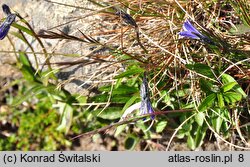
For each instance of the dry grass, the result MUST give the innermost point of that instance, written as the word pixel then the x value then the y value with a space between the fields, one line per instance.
pixel 154 43
pixel 148 38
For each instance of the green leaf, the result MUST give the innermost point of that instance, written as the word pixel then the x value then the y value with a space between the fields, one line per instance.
pixel 130 142
pixel 67 114
pixel 26 67
pixel 120 98
pixel 220 100
pixel 81 98
pixel 200 134
pixel 208 102
pixel 232 97
pixel 119 129
pixel 129 102
pixel 227 79
pixel 201 69
pixel 239 29
pixel 129 72
pixel 190 142
pixel 182 133
pixel 199 118
pixel 118 83
pixel 22 28
pixel 217 122
pixel 100 98
pixel 109 113
pixel 37 88
pixel 141 125
pixel 227 115
pixel 217 118
pixel 182 93
pixel 225 128
pixel 228 86
pixel 18 35
pixel 161 126
pixel 206 85
pixel 122 89
pixel 167 99
pixel 187 126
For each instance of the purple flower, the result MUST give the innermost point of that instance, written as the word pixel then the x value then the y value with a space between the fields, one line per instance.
pixel 5 26
pixel 6 9
pixel 191 32
pixel 146 107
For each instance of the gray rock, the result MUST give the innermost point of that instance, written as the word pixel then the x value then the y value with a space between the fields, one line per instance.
pixel 49 16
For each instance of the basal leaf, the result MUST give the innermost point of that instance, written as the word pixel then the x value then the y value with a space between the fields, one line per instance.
pixel 228 79
pixel 232 97
pixel 208 102
pixel 220 100
pixel 26 67
pixel 120 98
pixel 239 29
pixel 109 113
pixel 130 102
pixel 161 126
pixel 182 93
pixel 122 89
pixel 130 142
pixel 216 123
pixel 199 118
pixel 66 120
pixel 201 69
pixel 228 86
pixel 119 129
pixel 129 72
pixel 190 142
pixel 206 85
pixel 36 89
pixel 199 136
pixel 181 134
pixel 141 125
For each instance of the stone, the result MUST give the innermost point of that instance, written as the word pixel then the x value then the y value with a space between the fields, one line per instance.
pixel 51 16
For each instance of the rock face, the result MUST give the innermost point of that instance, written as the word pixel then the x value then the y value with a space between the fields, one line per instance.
pixel 52 16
